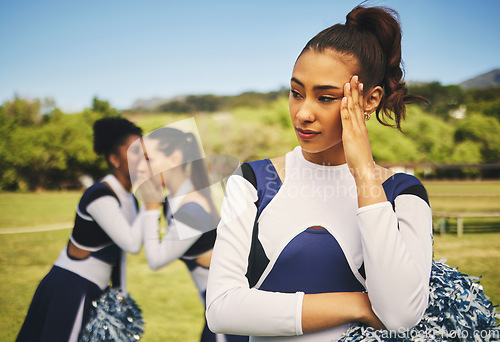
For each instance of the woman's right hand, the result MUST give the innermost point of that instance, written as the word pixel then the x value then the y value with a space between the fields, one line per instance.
pixel 368 317
pixel 151 193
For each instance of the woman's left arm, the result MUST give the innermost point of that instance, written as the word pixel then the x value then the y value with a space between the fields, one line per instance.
pixel 397 243
pixel 397 251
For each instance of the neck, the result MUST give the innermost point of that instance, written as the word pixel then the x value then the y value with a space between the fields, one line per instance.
pixel 124 180
pixel 175 182
pixel 330 157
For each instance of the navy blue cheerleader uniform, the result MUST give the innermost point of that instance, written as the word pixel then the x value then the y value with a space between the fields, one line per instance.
pixel 278 241
pixel 106 224
pixel 190 233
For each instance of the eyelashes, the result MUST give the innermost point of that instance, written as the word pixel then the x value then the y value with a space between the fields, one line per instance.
pixel 295 94
pixel 327 99
pixel 322 98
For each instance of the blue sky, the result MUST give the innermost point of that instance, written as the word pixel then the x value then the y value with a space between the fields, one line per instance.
pixel 124 50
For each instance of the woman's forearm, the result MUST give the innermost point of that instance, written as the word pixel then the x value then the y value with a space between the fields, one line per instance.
pixel 326 310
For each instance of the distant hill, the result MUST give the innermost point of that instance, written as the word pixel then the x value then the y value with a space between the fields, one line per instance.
pixel 207 102
pixel 153 103
pixel 148 104
pixel 489 80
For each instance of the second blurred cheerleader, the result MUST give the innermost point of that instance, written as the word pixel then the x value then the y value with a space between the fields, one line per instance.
pixel 189 210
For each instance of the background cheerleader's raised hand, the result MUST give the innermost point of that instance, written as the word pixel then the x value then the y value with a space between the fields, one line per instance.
pixel 357 149
pixel 150 191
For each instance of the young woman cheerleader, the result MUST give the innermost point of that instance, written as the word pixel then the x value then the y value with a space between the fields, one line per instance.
pixel 323 244
pixel 106 227
pixel 323 237
pixel 174 160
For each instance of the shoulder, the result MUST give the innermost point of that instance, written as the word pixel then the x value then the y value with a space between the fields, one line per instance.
pixel 195 200
pixel 96 191
pixel 279 166
pixel 191 209
pixel 269 169
pixel 397 184
pixel 195 216
pixel 255 180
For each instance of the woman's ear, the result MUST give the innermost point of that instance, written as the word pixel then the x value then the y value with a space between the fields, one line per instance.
pixel 176 158
pixel 373 98
pixel 114 160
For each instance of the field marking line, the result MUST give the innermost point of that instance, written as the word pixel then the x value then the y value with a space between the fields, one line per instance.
pixel 35 229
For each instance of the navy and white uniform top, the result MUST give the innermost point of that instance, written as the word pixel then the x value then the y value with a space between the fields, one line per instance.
pixel 106 222
pixel 384 249
pixel 190 233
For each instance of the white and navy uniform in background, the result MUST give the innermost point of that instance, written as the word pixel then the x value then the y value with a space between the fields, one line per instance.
pixel 267 256
pixel 106 224
pixel 191 232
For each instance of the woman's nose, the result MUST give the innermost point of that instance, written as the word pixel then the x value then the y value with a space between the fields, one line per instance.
pixel 142 168
pixel 305 113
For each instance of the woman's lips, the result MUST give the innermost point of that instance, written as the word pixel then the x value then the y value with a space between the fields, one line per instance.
pixel 307 134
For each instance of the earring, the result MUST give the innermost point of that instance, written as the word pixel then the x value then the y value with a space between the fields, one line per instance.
pixel 367 116
pixel 116 166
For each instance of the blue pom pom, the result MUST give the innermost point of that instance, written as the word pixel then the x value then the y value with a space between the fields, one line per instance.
pixel 458 310
pixel 116 318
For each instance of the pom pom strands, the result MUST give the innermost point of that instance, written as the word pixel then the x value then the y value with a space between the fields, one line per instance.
pixel 458 310
pixel 116 318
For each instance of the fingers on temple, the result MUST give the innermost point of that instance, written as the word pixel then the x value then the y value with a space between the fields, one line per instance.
pixel 347 102
pixel 355 90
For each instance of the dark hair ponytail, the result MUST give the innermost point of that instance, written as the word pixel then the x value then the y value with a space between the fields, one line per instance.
pixel 373 36
pixel 199 172
pixel 171 140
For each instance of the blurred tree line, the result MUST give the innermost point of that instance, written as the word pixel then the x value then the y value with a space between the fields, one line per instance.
pixel 214 103
pixel 44 148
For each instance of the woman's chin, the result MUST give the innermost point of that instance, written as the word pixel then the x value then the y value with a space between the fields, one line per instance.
pixel 315 148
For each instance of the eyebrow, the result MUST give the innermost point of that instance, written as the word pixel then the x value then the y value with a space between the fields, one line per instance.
pixel 318 87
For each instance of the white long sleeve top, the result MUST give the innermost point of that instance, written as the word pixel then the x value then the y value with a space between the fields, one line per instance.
pixel 102 222
pixel 184 239
pixel 385 249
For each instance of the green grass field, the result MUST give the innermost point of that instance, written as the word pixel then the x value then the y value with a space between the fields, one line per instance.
pixel 464 196
pixel 38 208
pixel 170 303
pixel 168 298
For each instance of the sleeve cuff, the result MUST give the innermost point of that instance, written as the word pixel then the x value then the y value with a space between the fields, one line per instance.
pixel 151 213
pixel 374 207
pixel 300 301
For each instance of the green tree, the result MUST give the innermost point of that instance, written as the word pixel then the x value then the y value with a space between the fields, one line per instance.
pixel 432 135
pixel 484 130
pixel 390 145
pixel 49 153
pixel 488 108
pixel 442 99
pixel 22 112
pixel 467 152
pixel 103 107
pixel 204 103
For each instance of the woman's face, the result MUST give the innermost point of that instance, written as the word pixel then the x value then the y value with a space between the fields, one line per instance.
pixel 316 93
pixel 123 159
pixel 155 162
